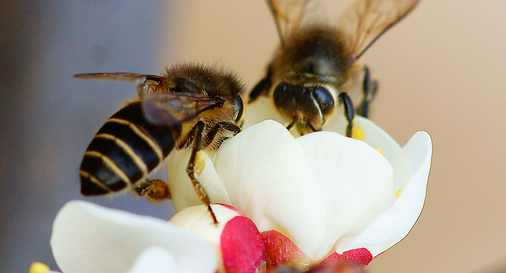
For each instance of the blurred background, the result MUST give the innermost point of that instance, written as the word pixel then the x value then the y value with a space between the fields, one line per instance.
pixel 442 70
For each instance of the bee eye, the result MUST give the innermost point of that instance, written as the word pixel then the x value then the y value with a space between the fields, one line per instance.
pixel 324 99
pixel 239 107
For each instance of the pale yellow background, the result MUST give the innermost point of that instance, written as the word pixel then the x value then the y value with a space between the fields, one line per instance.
pixel 442 70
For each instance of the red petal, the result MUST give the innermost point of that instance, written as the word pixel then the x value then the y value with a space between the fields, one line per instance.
pixel 281 250
pixel 360 256
pixel 242 246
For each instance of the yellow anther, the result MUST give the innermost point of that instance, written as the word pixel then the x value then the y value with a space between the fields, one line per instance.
pixel 200 162
pixel 38 267
pixel 398 193
pixel 357 133
pixel 380 150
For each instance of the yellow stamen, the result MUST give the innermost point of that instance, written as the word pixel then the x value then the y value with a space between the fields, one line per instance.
pixel 38 267
pixel 380 150
pixel 398 193
pixel 357 133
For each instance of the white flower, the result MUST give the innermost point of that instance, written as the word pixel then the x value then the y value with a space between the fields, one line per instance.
pixel 90 238
pixel 327 193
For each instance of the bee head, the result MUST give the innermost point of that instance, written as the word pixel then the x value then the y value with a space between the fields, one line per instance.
pixel 307 106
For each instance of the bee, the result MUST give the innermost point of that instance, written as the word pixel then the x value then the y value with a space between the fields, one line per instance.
pixel 315 67
pixel 188 107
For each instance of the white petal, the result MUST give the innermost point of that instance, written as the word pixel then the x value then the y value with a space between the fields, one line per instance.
pixel 377 137
pixel 198 221
pixel 91 238
pixel 394 224
pixel 269 179
pixel 210 180
pixel 373 134
pixel 154 260
pixel 357 179
pixel 181 189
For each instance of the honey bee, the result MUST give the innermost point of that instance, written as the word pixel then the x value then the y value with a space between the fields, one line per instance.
pixel 315 67
pixel 188 107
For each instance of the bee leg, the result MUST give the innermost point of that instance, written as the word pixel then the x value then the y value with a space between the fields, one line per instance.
pixel 262 86
pixel 312 127
pixel 349 113
pixel 190 169
pixel 370 87
pixel 232 127
pixel 154 189
pixel 290 125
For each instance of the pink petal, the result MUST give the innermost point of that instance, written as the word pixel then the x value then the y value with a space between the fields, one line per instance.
pixel 242 246
pixel 360 256
pixel 281 250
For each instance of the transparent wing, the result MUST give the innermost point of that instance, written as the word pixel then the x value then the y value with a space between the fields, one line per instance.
pixel 118 76
pixel 144 82
pixel 291 14
pixel 366 20
pixel 161 107
pixel 167 108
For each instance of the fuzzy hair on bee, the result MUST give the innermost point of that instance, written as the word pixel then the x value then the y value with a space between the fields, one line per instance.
pixel 315 69
pixel 188 106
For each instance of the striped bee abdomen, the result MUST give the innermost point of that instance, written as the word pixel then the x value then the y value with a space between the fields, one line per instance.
pixel 126 149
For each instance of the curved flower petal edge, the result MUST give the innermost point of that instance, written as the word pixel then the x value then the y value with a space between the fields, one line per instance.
pixel 394 224
pixel 325 192
pixel 90 238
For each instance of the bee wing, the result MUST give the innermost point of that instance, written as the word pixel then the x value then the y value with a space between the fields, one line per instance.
pixel 161 108
pixel 366 20
pixel 144 82
pixel 118 76
pixel 291 14
pixel 165 108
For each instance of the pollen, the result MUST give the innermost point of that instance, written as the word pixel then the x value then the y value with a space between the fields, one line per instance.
pixel 357 133
pixel 200 162
pixel 398 193
pixel 38 267
pixel 380 150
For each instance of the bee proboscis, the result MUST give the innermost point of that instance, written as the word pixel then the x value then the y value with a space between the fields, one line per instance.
pixel 316 65
pixel 188 107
